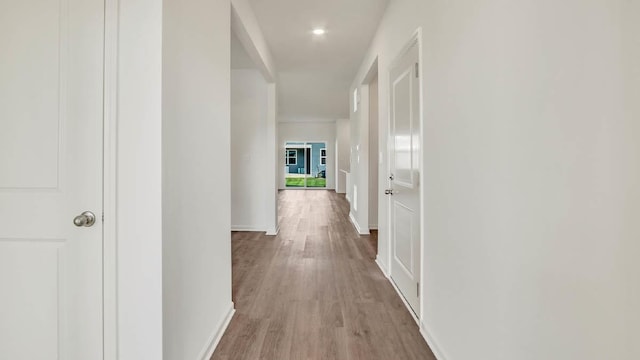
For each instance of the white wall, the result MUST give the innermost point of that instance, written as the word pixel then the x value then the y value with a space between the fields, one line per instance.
pixel 250 194
pixel 273 154
pixel 530 170
pixel 343 141
pixel 137 191
pixel 359 175
pixel 312 132
pixel 196 183
pixel 249 50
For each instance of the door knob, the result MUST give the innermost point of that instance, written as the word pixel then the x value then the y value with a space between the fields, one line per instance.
pixel 388 192
pixel 86 219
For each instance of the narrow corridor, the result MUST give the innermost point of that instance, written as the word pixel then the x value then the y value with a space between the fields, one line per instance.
pixel 314 291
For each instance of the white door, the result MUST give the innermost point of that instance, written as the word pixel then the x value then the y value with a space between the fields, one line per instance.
pixel 51 96
pixel 404 197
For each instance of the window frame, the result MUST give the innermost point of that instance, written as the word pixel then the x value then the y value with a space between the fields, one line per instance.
pixel 288 157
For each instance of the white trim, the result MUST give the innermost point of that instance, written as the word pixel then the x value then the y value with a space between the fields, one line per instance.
pixel 287 157
pixel 404 301
pixel 272 172
pixel 300 188
pixel 373 226
pixel 109 192
pixel 214 339
pixel 424 331
pixel 416 38
pixel 356 225
pixel 273 232
pixel 248 228
pixel 387 274
pixel 421 176
pixel 431 341
pixel 382 267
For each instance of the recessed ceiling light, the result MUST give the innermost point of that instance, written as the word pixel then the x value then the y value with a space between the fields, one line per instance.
pixel 319 31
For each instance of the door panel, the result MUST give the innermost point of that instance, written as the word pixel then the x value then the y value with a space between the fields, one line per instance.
pixel 51 96
pixel 30 93
pixel 404 202
pixel 403 230
pixel 33 309
pixel 402 126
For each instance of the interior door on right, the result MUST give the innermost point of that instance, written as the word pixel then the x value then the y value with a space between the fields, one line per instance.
pixel 404 202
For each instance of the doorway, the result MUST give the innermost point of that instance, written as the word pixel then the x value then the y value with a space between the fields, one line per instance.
pixel 305 165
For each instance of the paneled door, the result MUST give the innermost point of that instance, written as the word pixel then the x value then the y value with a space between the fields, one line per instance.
pixel 51 106
pixel 404 177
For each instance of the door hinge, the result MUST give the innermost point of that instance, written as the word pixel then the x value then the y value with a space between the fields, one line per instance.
pixel 417 70
pixel 102 217
pixel 418 289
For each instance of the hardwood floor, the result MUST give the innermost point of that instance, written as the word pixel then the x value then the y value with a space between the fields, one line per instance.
pixel 314 291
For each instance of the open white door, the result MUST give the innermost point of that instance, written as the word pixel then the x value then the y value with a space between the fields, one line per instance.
pixel 51 118
pixel 404 190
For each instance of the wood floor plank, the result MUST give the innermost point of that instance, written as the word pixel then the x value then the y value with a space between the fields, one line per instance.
pixel 314 291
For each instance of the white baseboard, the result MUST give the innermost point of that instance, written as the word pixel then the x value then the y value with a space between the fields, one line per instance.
pixel 426 334
pixel 214 339
pixel 248 228
pixel 433 344
pixel 273 232
pixel 373 226
pixel 382 267
pixel 357 226
pixel 404 301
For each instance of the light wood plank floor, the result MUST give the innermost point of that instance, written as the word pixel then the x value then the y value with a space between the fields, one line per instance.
pixel 314 291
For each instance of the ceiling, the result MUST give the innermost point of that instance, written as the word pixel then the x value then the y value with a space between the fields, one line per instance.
pixel 315 72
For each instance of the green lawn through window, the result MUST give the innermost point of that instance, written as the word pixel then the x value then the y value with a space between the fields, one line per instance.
pixel 311 182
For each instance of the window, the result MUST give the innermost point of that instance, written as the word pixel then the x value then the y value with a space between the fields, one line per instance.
pixel 323 156
pixel 291 157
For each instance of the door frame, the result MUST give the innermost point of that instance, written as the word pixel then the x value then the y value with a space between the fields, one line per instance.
pixel 416 38
pixel 109 173
pixel 372 73
pixel 125 126
pixel 306 166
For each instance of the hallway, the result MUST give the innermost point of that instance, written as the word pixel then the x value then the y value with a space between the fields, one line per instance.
pixel 314 291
